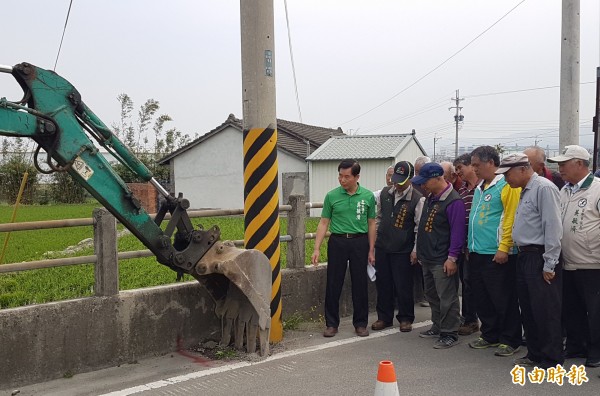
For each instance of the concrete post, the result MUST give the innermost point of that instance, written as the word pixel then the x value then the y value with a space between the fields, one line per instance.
pixel 569 75
pixel 261 196
pixel 258 63
pixel 296 228
pixel 105 246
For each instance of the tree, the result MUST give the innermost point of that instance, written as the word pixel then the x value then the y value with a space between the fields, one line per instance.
pixel 65 189
pixel 148 149
pixel 499 148
pixel 13 166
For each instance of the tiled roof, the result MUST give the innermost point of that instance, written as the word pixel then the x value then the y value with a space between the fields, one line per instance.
pixel 360 147
pixel 292 137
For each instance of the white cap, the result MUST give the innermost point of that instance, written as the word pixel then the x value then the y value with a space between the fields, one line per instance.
pixel 571 152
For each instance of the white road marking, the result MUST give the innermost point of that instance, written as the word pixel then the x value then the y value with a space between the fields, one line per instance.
pixel 234 366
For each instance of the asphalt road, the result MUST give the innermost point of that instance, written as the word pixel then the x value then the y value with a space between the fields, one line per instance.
pixel 306 363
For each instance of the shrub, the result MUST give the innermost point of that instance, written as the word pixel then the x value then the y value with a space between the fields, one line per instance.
pixel 12 171
pixel 65 189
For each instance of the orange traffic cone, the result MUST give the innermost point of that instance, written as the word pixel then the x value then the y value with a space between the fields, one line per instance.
pixel 386 380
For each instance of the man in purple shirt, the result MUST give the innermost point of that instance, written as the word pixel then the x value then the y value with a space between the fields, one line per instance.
pixel 440 240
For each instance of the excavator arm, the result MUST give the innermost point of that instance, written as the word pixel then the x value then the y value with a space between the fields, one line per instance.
pixel 53 114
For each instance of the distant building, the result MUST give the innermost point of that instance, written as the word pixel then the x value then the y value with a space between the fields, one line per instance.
pixel 374 152
pixel 209 170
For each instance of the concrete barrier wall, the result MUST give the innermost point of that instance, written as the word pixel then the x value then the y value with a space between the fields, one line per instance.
pixel 48 341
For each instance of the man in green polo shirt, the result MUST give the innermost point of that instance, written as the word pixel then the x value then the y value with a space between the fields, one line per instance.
pixel 349 212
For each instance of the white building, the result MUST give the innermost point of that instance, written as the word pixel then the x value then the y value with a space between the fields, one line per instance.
pixel 209 170
pixel 375 153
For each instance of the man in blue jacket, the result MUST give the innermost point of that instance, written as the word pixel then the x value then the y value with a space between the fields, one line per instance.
pixel 492 262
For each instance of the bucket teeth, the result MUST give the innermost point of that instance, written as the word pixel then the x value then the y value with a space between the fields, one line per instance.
pixel 243 303
pixel 264 339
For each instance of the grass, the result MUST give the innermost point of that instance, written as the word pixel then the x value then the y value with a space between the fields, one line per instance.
pixel 293 321
pixel 226 353
pixel 31 245
pixel 53 284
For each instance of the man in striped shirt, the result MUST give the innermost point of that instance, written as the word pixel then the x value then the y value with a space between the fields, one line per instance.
pixel 470 180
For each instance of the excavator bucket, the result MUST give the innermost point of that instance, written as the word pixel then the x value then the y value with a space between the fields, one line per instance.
pixel 240 282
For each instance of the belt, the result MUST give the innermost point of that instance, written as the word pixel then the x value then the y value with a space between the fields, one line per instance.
pixel 348 236
pixel 531 248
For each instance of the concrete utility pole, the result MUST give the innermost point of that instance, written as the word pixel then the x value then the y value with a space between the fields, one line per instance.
pixel 595 123
pixel 568 131
pixel 457 118
pixel 261 192
pixel 435 139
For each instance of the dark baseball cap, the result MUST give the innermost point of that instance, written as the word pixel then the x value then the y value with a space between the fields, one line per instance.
pixel 403 171
pixel 428 171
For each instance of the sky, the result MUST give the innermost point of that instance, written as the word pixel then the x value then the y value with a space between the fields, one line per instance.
pixel 369 67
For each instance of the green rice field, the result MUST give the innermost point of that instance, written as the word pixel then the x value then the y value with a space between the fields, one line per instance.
pixel 53 284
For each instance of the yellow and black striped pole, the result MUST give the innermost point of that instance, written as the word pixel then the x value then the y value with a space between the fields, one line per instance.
pixel 261 195
pixel 261 209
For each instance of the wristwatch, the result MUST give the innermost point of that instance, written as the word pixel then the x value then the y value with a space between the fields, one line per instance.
pixel 453 259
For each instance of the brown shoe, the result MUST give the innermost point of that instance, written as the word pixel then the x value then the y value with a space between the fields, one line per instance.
pixel 362 332
pixel 468 328
pixel 380 325
pixel 405 327
pixel 330 332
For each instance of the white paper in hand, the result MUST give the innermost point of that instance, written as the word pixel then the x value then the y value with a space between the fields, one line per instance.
pixel 371 272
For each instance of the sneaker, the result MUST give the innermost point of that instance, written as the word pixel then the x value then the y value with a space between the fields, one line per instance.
pixel 525 361
pixel 424 303
pixel 505 350
pixel 480 343
pixel 468 328
pixel 445 342
pixel 429 334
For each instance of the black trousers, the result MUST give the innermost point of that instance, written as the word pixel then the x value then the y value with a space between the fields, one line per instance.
pixel 581 311
pixel 340 251
pixel 418 285
pixel 495 292
pixel 467 308
pixel 541 305
pixel 394 282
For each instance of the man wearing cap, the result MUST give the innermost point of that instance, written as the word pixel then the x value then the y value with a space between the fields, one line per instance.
pixel 418 283
pixel 537 231
pixel 440 240
pixel 580 209
pixel 399 211
pixel 349 212
pixel 492 260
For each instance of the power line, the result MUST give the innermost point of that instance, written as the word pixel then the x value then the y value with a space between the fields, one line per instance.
pixel 425 109
pixel 437 67
pixel 287 20
pixel 532 134
pixel 63 35
pixel 430 108
pixel 521 90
